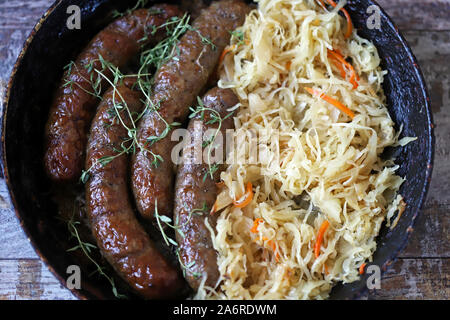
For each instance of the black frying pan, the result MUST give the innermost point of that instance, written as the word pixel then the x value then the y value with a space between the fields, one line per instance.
pixel 51 46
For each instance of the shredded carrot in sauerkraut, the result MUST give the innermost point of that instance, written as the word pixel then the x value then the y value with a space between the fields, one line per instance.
pixel 320 166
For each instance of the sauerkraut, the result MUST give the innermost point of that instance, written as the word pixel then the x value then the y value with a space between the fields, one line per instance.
pixel 320 165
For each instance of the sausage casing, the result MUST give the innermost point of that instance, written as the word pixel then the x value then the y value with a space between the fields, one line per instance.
pixel 177 84
pixel 120 237
pixel 194 190
pixel 75 100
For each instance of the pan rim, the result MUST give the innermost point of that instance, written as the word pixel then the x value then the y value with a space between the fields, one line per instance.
pixel 4 161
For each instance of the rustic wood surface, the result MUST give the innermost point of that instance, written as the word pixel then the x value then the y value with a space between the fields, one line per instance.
pixel 422 270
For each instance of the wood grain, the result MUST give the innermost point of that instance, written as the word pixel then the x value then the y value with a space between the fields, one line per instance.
pixel 415 279
pixel 430 238
pixel 422 270
pixel 418 14
pixel 29 280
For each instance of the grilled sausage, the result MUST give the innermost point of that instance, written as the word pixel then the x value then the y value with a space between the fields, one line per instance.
pixel 177 84
pixel 74 104
pixel 120 237
pixel 194 191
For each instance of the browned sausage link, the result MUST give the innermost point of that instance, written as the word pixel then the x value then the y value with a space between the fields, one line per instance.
pixel 74 104
pixel 177 84
pixel 120 237
pixel 193 191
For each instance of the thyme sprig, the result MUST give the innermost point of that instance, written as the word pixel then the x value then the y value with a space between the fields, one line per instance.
pixel 187 267
pixel 86 248
pixel 131 143
pixel 149 59
pixel 155 57
pixel 95 84
pixel 239 35
pixel 162 219
pixel 214 117
pixel 176 226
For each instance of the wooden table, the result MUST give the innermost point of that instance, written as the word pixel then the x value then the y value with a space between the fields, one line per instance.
pixel 422 269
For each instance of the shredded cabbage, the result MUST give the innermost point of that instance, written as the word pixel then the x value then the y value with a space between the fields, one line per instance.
pixel 328 166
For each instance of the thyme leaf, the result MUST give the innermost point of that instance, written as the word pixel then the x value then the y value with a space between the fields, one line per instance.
pixel 238 35
pixel 214 117
pixel 86 249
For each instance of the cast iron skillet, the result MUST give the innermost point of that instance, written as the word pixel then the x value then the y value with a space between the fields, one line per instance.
pixel 51 46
